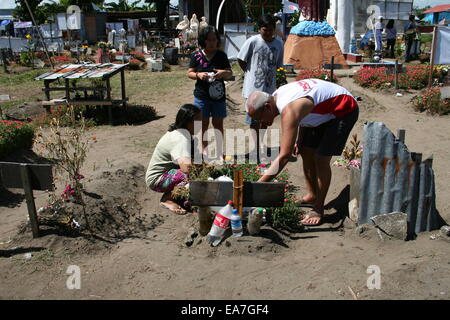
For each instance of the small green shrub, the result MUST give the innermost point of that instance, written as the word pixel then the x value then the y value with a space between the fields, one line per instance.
pixel 27 59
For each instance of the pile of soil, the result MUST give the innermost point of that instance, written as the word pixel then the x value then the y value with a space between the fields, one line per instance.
pixel 27 111
pixel 112 209
pixel 266 245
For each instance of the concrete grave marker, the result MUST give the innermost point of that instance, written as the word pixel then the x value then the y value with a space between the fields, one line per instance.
pixel 445 92
pixel 5 97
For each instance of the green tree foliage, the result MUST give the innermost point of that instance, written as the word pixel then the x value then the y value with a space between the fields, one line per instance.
pixel 21 12
pixel 418 12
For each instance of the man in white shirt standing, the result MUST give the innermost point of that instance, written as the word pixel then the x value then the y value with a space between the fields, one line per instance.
pixel 260 57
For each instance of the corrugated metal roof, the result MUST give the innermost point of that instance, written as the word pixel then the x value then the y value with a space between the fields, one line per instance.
pixel 439 8
pixel 395 179
pixel 77 71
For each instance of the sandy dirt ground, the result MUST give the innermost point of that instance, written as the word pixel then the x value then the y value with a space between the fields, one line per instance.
pixel 151 260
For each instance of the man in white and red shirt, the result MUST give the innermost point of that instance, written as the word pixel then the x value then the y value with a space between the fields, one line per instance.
pixel 325 113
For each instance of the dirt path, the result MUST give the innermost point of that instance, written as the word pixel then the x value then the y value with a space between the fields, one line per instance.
pixel 320 263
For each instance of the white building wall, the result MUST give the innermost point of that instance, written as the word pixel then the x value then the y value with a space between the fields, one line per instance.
pixel 350 17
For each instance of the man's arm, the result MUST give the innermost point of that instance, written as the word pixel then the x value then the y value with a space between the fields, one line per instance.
pixel 243 65
pixel 244 54
pixel 292 115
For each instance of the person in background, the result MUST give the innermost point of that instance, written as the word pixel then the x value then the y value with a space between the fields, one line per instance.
pixel 171 160
pixel 209 92
pixel 260 57
pixel 379 26
pixel 391 38
pixel 279 28
pixel 410 31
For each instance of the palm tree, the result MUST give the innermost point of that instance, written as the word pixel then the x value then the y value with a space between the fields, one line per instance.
pixel 123 5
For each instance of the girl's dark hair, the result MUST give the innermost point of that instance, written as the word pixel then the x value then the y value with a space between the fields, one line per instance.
pixel 185 115
pixel 390 24
pixel 266 20
pixel 203 35
pixel 412 18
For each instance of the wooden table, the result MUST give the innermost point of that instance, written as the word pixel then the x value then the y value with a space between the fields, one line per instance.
pixel 69 72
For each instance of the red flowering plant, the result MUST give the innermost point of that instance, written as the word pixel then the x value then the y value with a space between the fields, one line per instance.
pixel 431 101
pixel 414 77
pixel 372 77
pixel 138 55
pixel 15 135
pixel 135 64
pixel 316 74
pixel 62 59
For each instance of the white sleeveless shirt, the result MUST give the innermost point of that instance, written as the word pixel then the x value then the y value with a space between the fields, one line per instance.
pixel 330 100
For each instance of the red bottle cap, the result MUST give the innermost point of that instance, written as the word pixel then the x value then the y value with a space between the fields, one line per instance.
pixel 230 202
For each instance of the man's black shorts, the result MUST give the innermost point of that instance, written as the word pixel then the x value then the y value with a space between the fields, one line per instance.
pixel 329 138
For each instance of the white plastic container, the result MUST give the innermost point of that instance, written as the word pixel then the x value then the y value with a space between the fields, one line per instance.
pixel 254 221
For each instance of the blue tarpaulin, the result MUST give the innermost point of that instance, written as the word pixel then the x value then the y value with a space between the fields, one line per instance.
pixel 313 28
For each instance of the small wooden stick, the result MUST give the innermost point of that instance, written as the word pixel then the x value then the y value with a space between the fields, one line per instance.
pixel 353 293
pixel 238 191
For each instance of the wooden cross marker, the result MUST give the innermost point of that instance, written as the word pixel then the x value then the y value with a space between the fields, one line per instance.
pixel 238 191
pixel 29 177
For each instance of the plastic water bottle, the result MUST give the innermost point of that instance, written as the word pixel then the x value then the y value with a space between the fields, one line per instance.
pixel 254 221
pixel 236 224
pixel 220 224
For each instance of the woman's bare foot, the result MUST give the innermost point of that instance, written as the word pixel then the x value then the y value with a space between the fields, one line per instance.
pixel 172 206
pixel 167 202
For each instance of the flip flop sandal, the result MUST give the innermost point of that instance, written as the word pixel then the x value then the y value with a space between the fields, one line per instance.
pixel 173 208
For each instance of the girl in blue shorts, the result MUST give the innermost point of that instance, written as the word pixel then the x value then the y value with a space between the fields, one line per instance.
pixel 209 66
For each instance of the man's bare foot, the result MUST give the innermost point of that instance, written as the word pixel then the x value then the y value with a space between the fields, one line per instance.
pixel 312 218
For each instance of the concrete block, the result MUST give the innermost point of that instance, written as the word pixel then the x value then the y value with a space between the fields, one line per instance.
pixel 393 224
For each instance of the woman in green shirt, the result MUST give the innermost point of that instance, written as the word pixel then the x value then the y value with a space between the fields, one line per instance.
pixel 171 161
